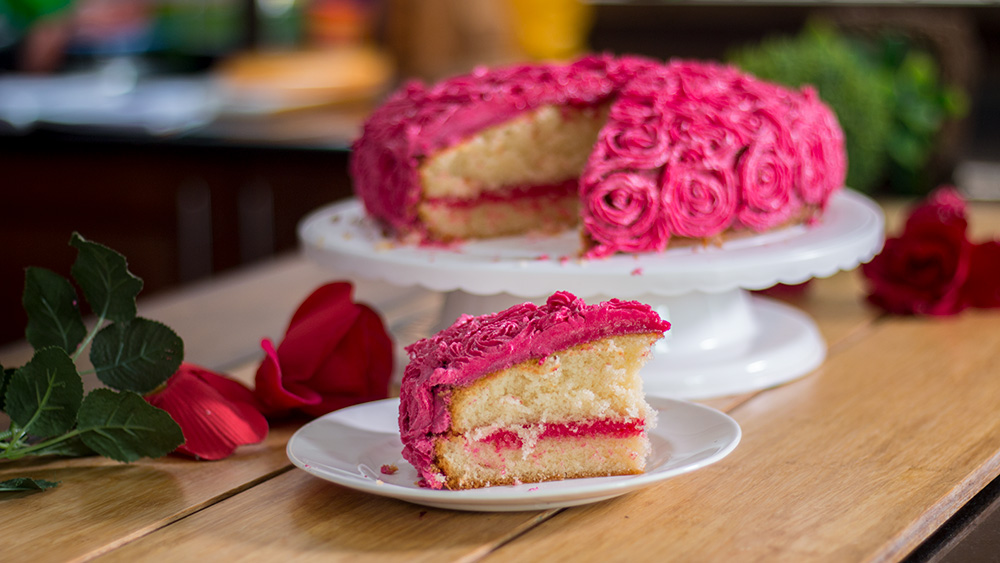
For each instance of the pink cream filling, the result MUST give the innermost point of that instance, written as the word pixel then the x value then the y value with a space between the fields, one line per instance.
pixel 509 439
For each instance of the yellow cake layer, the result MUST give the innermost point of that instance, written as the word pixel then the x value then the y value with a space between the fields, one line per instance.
pixel 500 218
pixel 594 380
pixel 542 147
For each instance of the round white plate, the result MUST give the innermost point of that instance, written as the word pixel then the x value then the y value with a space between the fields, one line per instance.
pixel 349 447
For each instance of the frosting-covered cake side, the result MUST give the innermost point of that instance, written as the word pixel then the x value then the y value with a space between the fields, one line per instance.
pixel 695 149
pixel 636 151
pixel 474 347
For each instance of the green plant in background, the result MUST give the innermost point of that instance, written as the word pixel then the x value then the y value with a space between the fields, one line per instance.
pixel 922 104
pixel 887 95
pixel 846 79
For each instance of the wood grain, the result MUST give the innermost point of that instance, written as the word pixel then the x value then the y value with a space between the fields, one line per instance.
pixel 100 504
pixel 860 461
pixel 309 519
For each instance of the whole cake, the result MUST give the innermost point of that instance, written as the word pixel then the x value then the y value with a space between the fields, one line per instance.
pixel 640 154
pixel 533 393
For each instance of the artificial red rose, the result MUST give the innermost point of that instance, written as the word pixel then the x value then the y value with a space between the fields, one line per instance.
pixel 217 414
pixel 924 270
pixel 983 288
pixel 335 353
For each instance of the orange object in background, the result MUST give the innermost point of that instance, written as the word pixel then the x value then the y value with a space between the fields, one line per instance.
pixel 339 22
pixel 551 29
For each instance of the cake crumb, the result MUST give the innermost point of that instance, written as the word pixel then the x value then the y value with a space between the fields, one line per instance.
pixel 389 469
pixel 637 272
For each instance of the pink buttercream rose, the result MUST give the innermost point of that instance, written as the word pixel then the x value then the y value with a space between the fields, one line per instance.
pixel 702 135
pixel 822 157
pixel 621 213
pixel 335 353
pixel 699 202
pixel 767 188
pixel 637 146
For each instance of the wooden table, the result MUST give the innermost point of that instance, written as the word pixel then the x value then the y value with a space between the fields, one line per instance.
pixel 862 460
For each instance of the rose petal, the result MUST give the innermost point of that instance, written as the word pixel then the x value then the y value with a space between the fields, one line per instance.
pixel 316 327
pixel 277 395
pixel 214 424
pixel 335 353
pixel 983 286
pixel 358 371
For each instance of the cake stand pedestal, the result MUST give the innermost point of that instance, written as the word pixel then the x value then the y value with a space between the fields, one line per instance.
pixel 723 340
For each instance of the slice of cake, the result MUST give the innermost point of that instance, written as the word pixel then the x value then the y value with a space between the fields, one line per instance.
pixel 533 393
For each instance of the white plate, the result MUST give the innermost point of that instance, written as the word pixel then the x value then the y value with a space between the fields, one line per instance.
pixel 349 447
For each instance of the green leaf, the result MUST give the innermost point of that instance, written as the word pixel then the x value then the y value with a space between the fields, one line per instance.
pixel 103 275
pixel 53 311
pixel 70 447
pixel 44 395
pixel 22 484
pixel 124 427
pixel 5 375
pixel 138 355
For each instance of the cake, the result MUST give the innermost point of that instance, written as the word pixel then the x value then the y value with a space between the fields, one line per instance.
pixel 533 393
pixel 636 153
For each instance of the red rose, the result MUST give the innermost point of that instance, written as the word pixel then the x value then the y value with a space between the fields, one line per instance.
pixel 216 413
pixel 924 271
pixel 335 353
pixel 983 287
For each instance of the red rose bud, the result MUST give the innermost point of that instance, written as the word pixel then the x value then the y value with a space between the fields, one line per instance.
pixel 335 353
pixel 217 414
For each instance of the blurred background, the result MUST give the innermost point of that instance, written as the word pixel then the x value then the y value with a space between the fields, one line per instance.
pixel 193 135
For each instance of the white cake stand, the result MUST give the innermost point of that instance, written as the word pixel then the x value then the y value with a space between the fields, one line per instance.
pixel 723 340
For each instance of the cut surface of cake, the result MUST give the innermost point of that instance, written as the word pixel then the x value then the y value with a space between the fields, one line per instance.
pixel 533 393
pixel 638 153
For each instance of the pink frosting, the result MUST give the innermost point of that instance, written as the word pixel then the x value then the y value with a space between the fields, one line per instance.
pixel 703 146
pixel 476 346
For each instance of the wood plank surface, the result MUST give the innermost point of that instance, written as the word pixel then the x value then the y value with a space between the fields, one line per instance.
pixel 858 461
pixel 102 504
pixel 309 519
pixel 298 538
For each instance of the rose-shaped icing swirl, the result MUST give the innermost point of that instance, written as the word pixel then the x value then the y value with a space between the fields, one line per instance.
pixel 621 213
pixel 766 186
pixel 635 146
pixel 822 157
pixel 698 201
